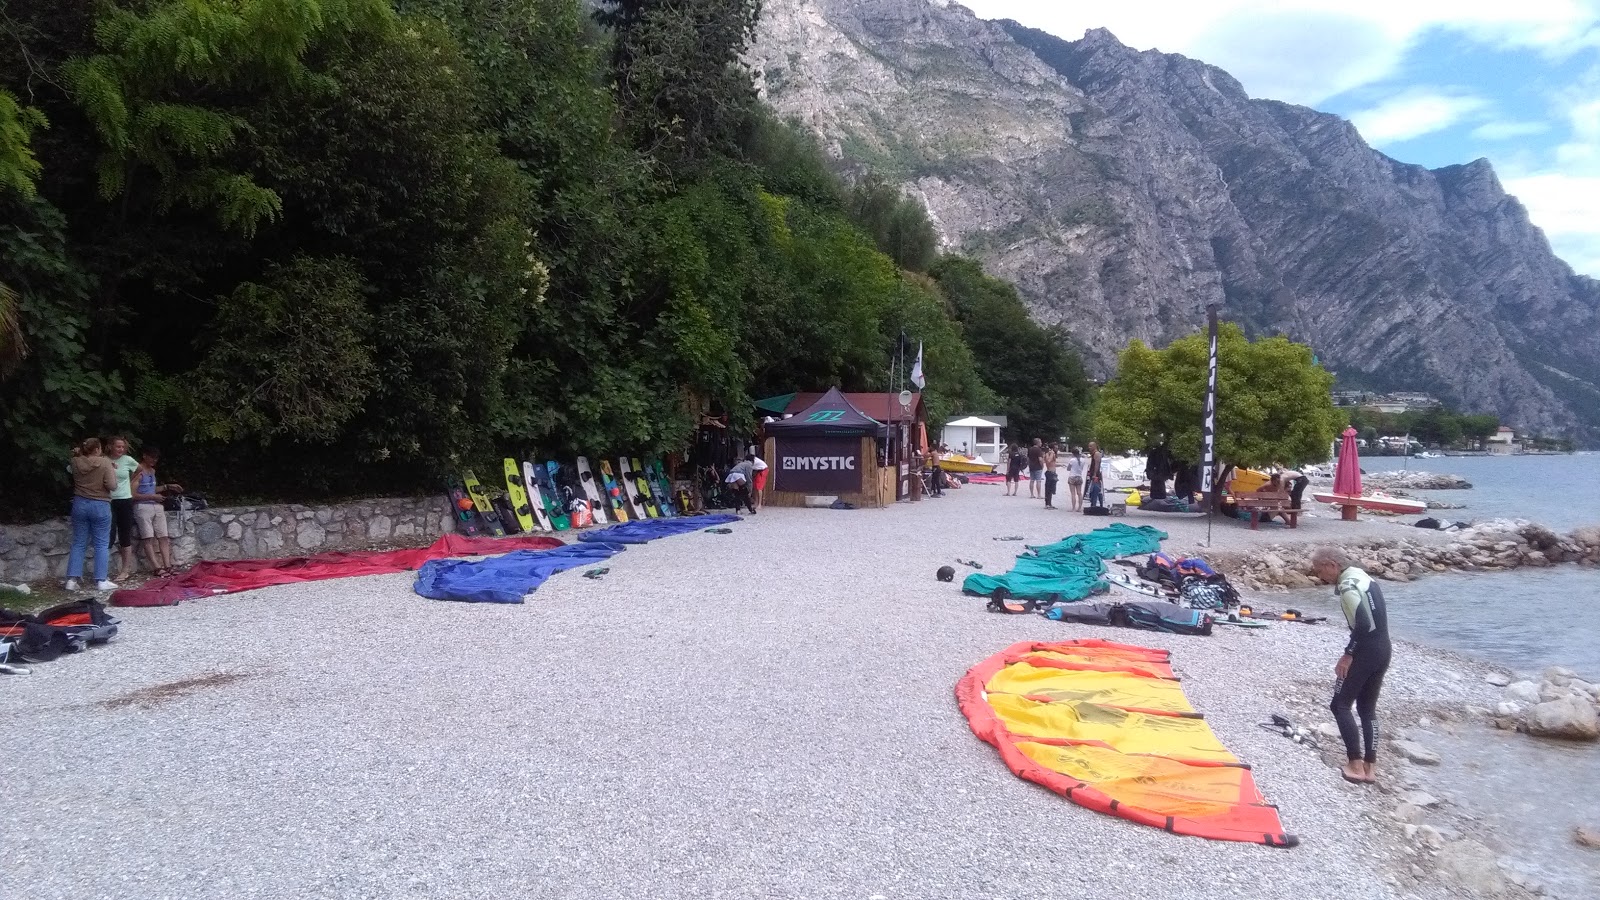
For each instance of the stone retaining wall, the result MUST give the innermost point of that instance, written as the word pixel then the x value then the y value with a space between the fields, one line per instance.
pixel 36 552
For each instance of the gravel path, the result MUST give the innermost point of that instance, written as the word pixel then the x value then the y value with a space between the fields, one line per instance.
pixel 763 714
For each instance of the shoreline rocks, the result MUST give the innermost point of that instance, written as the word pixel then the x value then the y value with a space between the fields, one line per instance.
pixel 1415 481
pixel 1495 545
pixel 1561 706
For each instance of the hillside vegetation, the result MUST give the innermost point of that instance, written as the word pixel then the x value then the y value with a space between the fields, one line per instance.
pixel 319 247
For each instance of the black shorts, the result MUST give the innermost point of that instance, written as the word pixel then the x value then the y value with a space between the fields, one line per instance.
pixel 123 528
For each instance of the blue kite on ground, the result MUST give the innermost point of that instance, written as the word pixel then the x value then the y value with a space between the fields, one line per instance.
pixel 505 579
pixel 645 530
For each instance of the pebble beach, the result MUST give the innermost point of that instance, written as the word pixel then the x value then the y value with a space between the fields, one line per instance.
pixel 767 713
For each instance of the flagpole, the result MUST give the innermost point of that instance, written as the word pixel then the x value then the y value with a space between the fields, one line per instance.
pixel 1209 427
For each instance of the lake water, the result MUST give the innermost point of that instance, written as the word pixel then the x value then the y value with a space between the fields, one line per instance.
pixel 1530 791
pixel 1562 492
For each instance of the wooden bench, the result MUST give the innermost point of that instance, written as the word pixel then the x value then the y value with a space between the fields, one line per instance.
pixel 1257 503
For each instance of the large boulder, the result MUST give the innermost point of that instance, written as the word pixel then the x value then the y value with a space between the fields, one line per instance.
pixel 1567 718
pixel 1524 692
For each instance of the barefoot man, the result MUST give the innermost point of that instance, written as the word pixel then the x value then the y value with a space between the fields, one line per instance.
pixel 1365 659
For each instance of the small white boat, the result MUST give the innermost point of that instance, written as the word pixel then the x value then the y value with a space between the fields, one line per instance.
pixel 1384 502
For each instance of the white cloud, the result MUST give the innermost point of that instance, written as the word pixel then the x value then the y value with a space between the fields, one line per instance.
pixel 1562 189
pixel 1305 51
pixel 1505 131
pixel 1414 113
pixel 1564 206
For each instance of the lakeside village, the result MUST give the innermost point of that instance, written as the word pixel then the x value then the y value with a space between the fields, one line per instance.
pixel 1169 552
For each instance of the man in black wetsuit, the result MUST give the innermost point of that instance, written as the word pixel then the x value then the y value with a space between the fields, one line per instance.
pixel 1365 659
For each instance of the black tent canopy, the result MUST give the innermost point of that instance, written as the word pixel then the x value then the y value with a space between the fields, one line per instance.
pixel 832 415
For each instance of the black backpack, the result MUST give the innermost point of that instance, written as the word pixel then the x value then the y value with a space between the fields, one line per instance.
pixel 193 501
pixel 66 628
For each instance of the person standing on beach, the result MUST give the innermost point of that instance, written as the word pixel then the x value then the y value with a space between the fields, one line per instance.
pixel 93 480
pixel 1095 481
pixel 1365 660
pixel 150 513
pixel 122 521
pixel 758 478
pixel 1051 457
pixel 1016 458
pixel 1036 469
pixel 1075 469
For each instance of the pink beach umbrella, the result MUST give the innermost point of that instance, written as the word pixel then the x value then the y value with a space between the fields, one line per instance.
pixel 1347 476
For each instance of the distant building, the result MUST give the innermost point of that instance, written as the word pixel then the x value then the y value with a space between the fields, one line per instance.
pixel 1386 406
pixel 1503 442
pixel 975 435
pixel 1398 402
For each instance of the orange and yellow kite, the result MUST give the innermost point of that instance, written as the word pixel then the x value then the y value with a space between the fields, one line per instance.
pixel 1107 726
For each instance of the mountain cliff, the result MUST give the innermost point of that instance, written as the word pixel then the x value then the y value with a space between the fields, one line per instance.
pixel 1123 191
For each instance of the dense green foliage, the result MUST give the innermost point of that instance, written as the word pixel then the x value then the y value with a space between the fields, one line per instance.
pixel 1040 381
pixel 1436 426
pixel 335 246
pixel 1273 402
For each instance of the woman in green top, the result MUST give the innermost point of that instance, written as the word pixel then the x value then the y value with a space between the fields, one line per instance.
pixel 123 528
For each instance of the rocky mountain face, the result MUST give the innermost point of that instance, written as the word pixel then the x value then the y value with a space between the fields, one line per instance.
pixel 1124 191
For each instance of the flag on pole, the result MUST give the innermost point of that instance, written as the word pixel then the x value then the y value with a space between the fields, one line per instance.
pixel 916 370
pixel 1209 428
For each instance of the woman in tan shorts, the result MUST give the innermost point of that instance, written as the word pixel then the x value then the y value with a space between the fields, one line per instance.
pixel 150 514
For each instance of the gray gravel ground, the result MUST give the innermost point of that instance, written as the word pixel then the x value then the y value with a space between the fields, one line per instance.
pixel 763 714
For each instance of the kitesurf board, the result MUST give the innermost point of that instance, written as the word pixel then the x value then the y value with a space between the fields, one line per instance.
pixel 1139 586
pixel 630 488
pixel 652 474
pixel 517 496
pixel 645 493
pixel 569 496
pixel 481 501
pixel 530 483
pixel 466 519
pixel 597 506
pixel 618 503
pixel 1238 623
pixel 508 518
pixel 554 505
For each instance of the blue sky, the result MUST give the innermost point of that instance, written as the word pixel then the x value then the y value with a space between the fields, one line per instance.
pixel 1426 81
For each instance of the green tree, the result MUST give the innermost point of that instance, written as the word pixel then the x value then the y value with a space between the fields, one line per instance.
pixel 678 74
pixel 18 166
pixel 149 91
pixel 1479 427
pixel 57 395
pixel 1274 403
pixel 1038 379
pixel 896 223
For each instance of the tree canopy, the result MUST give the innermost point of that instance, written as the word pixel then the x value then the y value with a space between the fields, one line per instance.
pixel 1274 404
pixel 338 246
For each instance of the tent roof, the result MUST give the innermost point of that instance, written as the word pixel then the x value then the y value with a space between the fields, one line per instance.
pixel 976 422
pixel 882 407
pixel 827 414
pixel 776 405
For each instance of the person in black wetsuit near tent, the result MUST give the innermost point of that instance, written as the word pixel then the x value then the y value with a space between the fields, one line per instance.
pixel 1365 660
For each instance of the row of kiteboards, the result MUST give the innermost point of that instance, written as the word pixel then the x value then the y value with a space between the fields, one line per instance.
pixel 549 496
